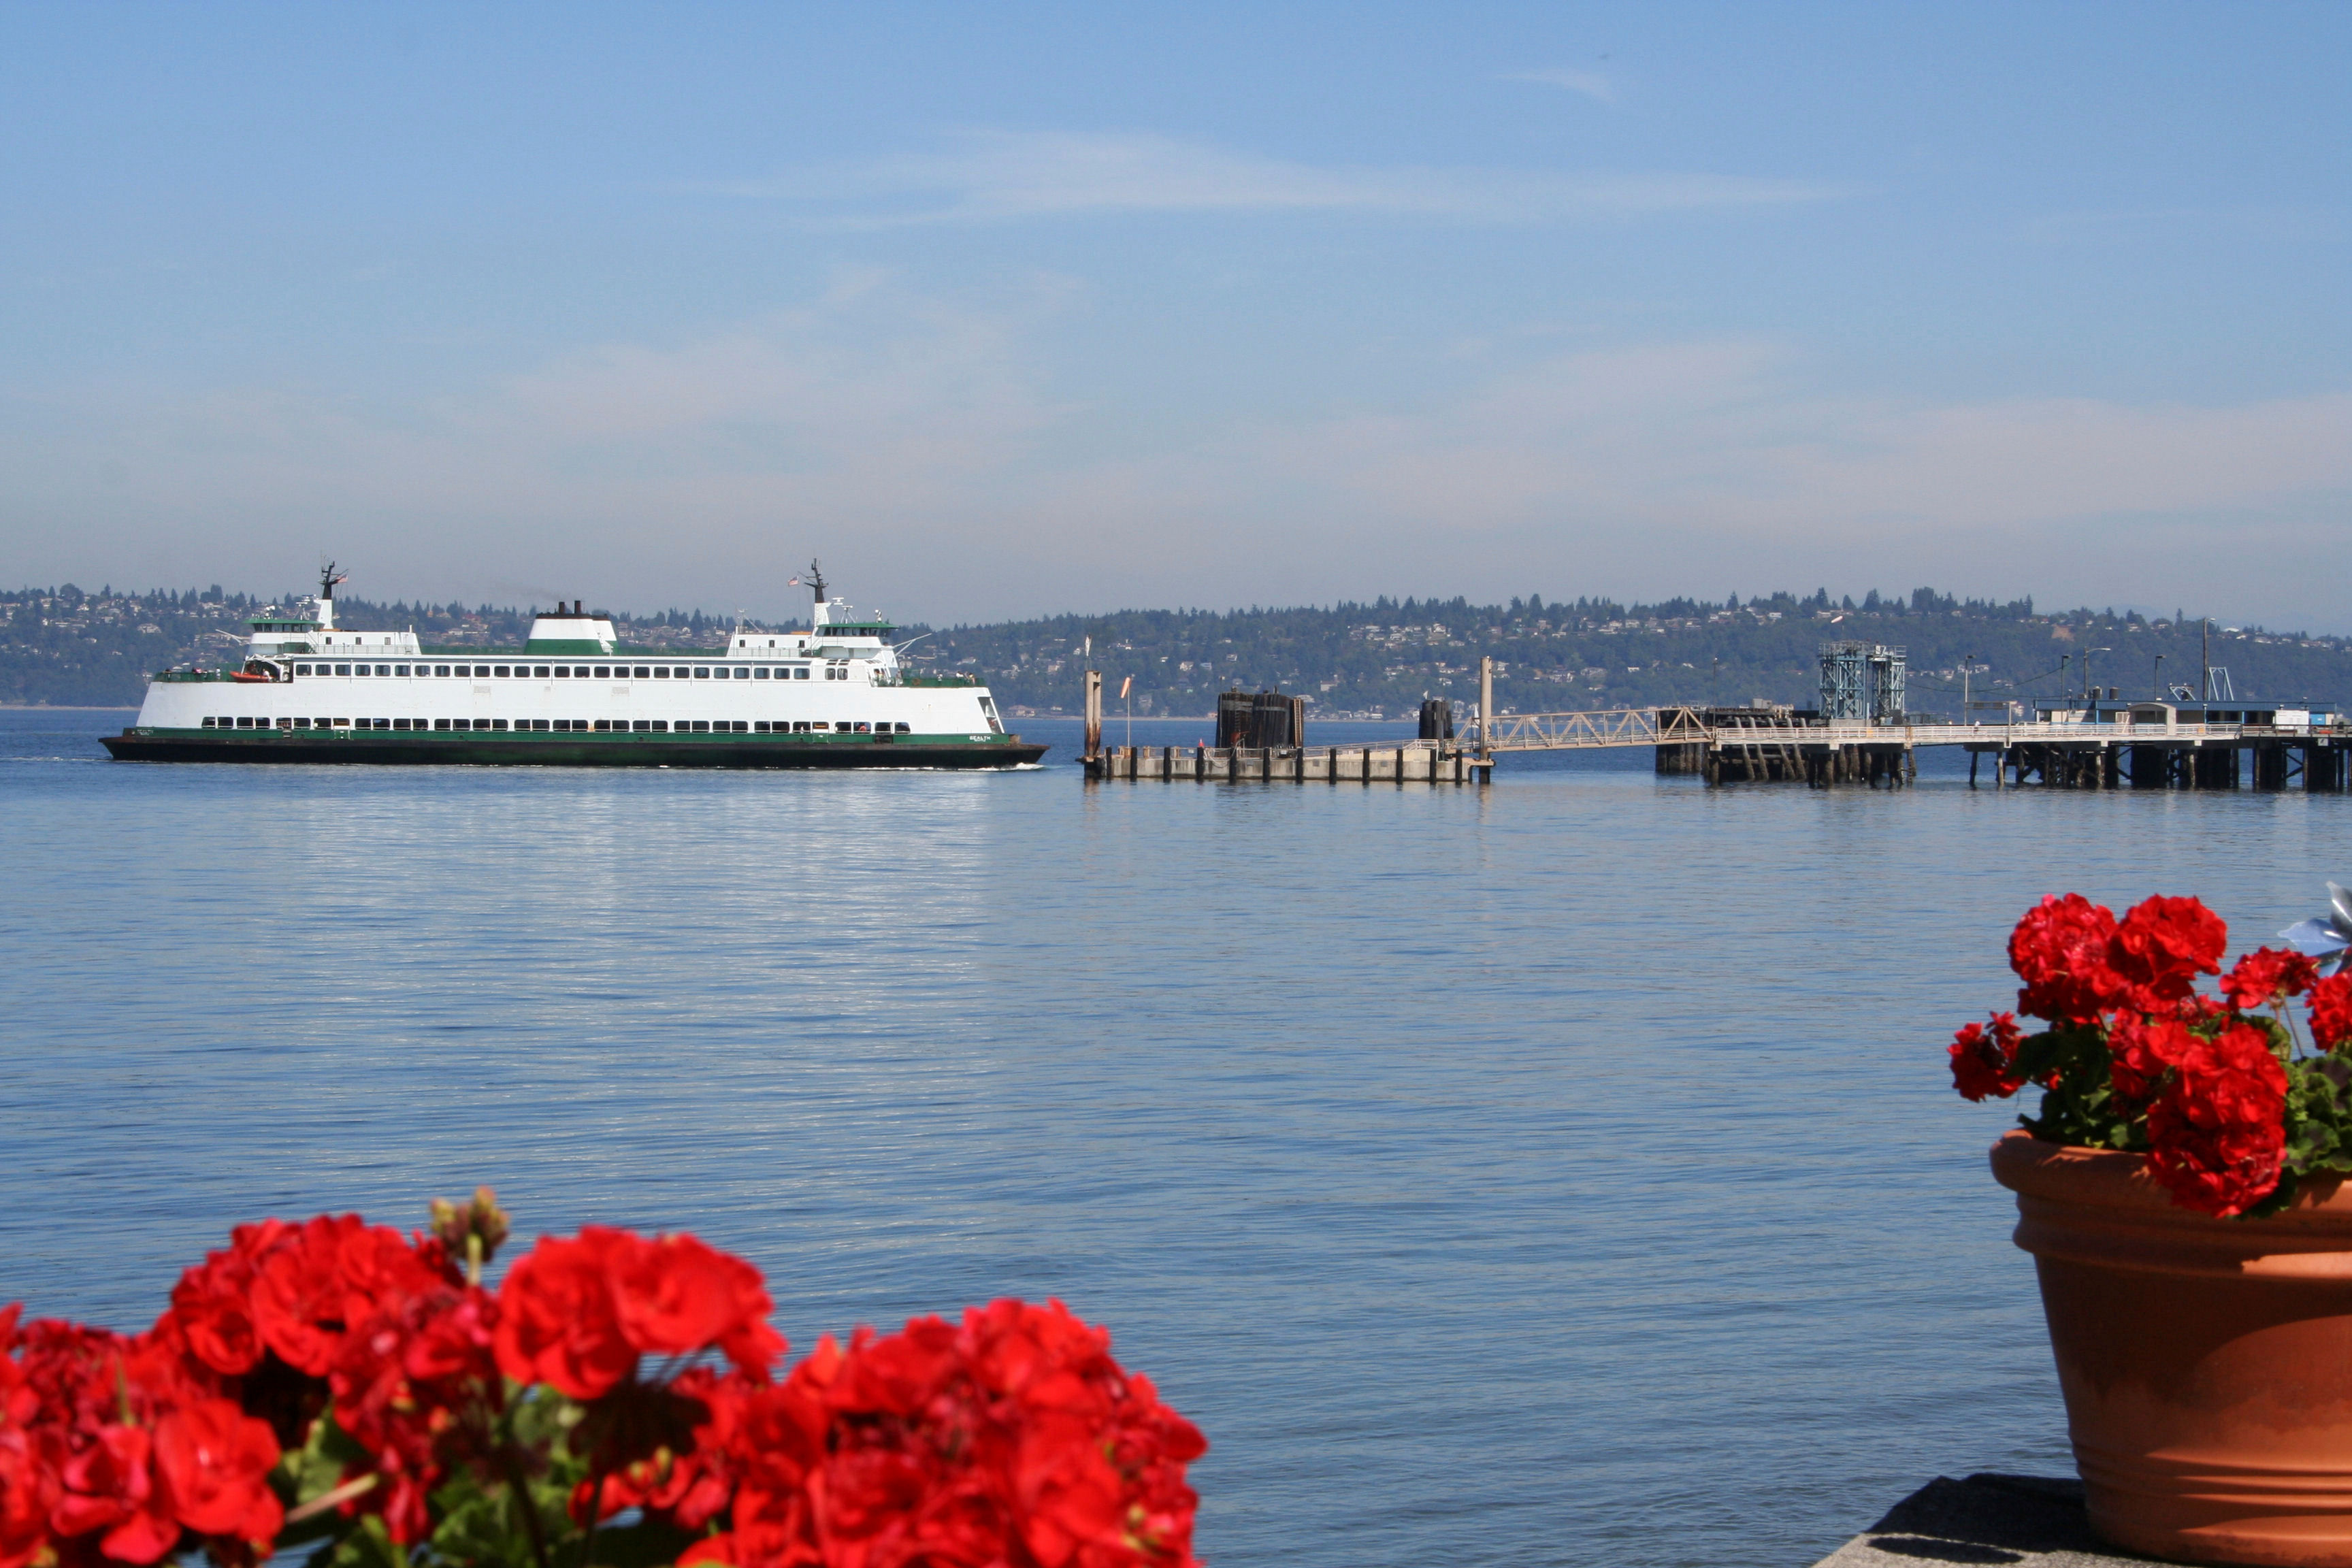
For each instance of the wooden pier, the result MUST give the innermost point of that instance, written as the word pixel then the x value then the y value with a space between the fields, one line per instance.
pixel 1748 745
pixel 2189 756
pixel 1260 739
pixel 2103 743
pixel 1736 749
pixel 1415 761
pixel 1730 746
pixel 2133 745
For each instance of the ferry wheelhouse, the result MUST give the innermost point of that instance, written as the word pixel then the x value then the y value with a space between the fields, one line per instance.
pixel 834 695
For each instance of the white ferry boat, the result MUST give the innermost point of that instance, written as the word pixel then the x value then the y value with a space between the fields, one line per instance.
pixel 833 696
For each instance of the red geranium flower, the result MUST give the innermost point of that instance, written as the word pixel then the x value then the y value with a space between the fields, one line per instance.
pixel 2217 1136
pixel 315 1279
pixel 556 1319
pixel 29 1458
pixel 1011 1438
pixel 578 1313
pixel 67 1373
pixel 1012 1441
pixel 2163 945
pixel 675 1295
pixel 2142 1051
pixel 29 1491
pixel 2060 950
pixel 416 1386
pixel 2217 1170
pixel 2267 975
pixel 377 1269
pixel 1984 1061
pixel 297 1304
pixel 776 1450
pixel 215 1462
pixel 2331 1011
pixel 109 1486
pixel 212 1307
pixel 138 1446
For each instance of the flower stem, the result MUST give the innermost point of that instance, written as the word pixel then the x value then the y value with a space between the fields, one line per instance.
pixel 511 1462
pixel 595 1513
pixel 342 1494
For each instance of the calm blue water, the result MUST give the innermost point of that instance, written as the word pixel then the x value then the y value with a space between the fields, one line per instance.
pixel 1562 1172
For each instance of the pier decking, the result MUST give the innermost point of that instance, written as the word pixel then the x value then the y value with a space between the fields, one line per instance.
pixel 2109 744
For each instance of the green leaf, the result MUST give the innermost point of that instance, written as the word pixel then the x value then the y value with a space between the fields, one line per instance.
pixel 476 1526
pixel 368 1545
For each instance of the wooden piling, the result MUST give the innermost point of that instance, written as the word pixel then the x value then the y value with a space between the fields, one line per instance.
pixel 1485 706
pixel 2323 768
pixel 1677 757
pixel 1094 714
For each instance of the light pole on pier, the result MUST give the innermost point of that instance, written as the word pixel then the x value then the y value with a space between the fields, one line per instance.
pixel 2159 678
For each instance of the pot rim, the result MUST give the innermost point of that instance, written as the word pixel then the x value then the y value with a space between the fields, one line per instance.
pixel 2103 1206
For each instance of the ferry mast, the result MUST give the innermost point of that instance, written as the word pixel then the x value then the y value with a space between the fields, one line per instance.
pixel 328 578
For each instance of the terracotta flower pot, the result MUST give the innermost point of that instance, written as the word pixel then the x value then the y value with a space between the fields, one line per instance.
pixel 2207 1364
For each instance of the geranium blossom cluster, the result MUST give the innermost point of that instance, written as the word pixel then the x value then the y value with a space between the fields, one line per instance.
pixel 1013 1437
pixel 313 1380
pixel 2137 1057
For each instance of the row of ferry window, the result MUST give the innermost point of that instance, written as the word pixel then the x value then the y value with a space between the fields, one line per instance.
pixel 567 726
pixel 838 669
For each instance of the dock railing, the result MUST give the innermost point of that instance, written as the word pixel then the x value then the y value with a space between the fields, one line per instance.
pixel 1599 729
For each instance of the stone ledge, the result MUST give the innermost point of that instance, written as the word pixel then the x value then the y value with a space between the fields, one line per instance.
pixel 2030 1520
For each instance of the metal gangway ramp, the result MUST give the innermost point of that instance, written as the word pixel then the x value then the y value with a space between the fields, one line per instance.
pixel 1593 729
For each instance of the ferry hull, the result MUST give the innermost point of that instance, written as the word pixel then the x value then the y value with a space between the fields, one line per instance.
pixel 552 751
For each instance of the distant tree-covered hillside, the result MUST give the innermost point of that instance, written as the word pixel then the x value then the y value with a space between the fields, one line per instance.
pixel 63 646
pixel 1385 657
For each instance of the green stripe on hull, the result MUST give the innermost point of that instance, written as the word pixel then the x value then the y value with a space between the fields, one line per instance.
pixel 535 749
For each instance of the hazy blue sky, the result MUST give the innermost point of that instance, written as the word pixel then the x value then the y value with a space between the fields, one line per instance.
pixel 1006 310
